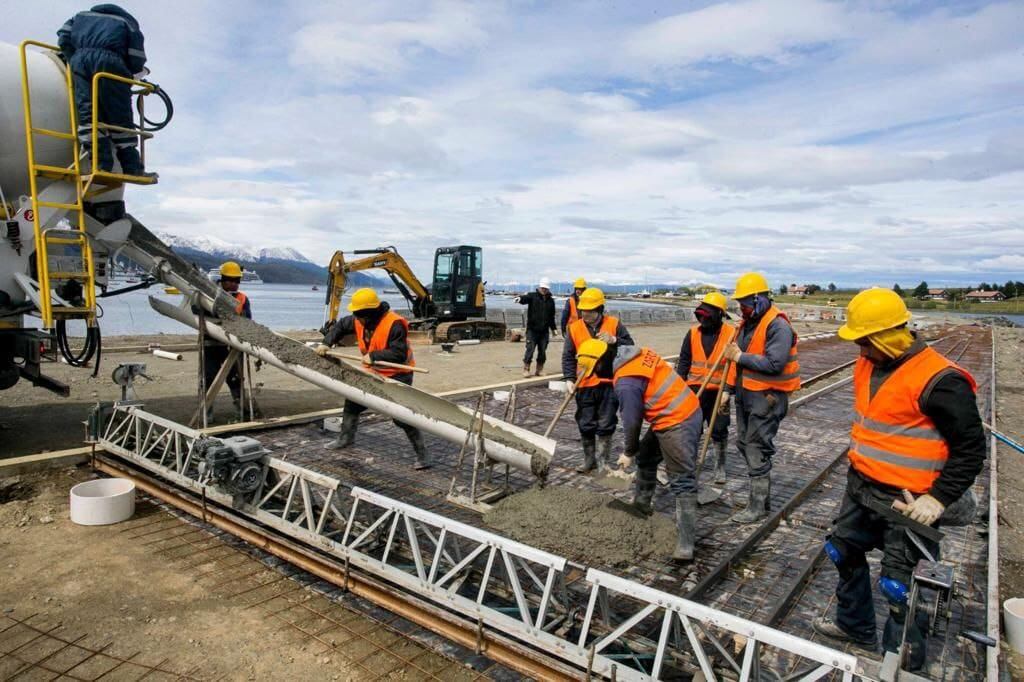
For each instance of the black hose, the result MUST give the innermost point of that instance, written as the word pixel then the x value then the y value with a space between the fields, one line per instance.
pixel 151 126
pixel 92 347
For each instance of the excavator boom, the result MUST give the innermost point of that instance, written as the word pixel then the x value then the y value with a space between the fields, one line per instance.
pixel 387 259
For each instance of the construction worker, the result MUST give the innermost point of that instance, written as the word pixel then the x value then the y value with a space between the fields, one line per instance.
pixel 916 434
pixel 383 336
pixel 540 324
pixel 703 346
pixel 105 39
pixel 570 311
pixel 649 390
pixel 764 372
pixel 596 407
pixel 216 353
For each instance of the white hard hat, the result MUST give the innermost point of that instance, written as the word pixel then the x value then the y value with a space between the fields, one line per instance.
pixel 545 283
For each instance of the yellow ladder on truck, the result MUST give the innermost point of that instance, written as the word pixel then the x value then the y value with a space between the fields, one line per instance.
pixel 74 238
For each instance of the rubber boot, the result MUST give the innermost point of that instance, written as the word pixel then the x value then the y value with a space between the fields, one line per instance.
pixel 604 453
pixel 686 517
pixel 720 475
pixel 131 162
pixel 347 435
pixel 643 490
pixel 526 370
pixel 540 369
pixel 589 460
pixel 757 502
pixel 416 438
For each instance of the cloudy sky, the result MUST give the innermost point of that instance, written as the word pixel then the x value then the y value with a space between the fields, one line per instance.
pixel 861 142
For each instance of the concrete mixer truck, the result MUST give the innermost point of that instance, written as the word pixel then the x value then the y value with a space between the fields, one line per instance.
pixel 63 226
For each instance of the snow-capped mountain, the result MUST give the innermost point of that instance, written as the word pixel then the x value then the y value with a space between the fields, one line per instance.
pixel 282 253
pixel 220 248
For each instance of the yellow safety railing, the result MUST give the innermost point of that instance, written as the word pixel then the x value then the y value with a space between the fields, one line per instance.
pixel 76 236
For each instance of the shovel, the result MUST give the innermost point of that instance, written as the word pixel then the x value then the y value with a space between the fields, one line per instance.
pixel 711 373
pixel 561 408
pixel 709 494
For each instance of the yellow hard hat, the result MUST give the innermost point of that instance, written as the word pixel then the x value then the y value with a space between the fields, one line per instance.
pixel 716 299
pixel 230 269
pixel 591 299
pixel 587 355
pixel 363 299
pixel 580 283
pixel 872 311
pixel 750 283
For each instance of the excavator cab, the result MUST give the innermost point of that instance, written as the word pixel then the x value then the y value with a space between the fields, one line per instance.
pixel 458 288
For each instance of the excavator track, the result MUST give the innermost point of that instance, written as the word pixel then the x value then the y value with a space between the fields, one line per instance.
pixel 469 329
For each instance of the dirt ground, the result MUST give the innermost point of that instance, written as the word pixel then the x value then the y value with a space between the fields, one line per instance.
pixel 1010 421
pixel 173 389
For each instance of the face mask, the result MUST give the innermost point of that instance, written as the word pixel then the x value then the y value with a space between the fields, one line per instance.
pixel 892 342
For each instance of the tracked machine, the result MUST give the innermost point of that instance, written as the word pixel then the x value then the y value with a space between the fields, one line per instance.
pixel 451 308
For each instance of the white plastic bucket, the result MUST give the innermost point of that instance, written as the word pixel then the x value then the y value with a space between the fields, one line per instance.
pixel 1013 616
pixel 102 502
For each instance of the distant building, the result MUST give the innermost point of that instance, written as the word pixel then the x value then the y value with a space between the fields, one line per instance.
pixel 937 295
pixel 797 290
pixel 985 296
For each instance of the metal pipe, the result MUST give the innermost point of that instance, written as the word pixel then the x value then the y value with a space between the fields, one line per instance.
pixel 534 454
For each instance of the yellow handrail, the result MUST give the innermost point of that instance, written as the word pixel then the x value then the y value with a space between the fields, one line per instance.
pixel 149 88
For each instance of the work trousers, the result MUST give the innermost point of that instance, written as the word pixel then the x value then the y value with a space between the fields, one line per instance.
pixel 597 410
pixel 678 447
pixel 356 409
pixel 214 356
pixel 720 429
pixel 856 531
pixel 758 416
pixel 115 99
pixel 537 339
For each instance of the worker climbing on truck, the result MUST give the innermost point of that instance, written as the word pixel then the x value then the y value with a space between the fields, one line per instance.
pixel 917 444
pixel 649 390
pixel 383 336
pixel 215 353
pixel 596 406
pixel 570 312
pixel 764 371
pixel 107 39
pixel 702 348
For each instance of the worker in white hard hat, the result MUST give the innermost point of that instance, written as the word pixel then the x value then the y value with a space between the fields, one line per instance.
pixel 540 325
pixel 216 353
pixel 917 444
pixel 383 336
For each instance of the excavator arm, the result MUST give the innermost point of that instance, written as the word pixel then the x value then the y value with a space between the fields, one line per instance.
pixel 387 259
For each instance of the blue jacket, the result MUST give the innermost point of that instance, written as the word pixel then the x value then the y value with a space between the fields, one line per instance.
pixel 89 41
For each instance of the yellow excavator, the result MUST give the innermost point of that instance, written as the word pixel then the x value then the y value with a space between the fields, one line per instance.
pixel 451 309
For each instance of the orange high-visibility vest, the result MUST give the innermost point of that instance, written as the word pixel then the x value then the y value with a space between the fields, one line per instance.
pixel 668 401
pixel 573 313
pixel 379 341
pixel 701 365
pixel 579 333
pixel 892 441
pixel 788 380
pixel 240 305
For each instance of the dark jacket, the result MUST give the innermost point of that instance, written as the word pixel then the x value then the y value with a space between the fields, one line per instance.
pixel 778 341
pixel 104 38
pixel 949 402
pixel 398 340
pixel 540 315
pixel 604 365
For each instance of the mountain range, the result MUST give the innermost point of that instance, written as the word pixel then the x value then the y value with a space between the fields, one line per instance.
pixel 275 265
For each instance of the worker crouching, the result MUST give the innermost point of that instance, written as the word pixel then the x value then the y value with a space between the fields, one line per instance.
pixel 702 350
pixel 917 443
pixel 596 406
pixel 383 336
pixel 765 369
pixel 649 390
